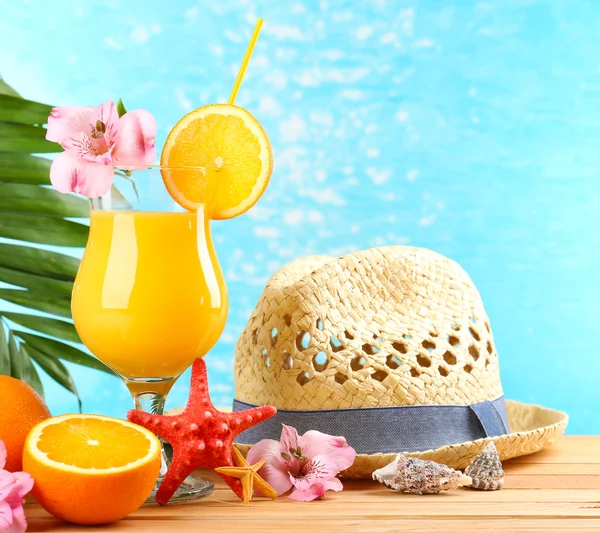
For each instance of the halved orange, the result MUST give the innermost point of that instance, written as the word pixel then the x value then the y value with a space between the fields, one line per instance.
pixel 234 155
pixel 91 469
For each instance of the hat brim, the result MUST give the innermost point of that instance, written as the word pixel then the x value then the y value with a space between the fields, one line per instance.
pixel 532 428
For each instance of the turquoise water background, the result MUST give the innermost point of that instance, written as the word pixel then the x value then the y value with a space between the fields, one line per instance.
pixel 468 127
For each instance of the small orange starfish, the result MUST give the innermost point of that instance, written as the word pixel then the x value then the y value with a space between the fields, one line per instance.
pixel 248 474
pixel 201 436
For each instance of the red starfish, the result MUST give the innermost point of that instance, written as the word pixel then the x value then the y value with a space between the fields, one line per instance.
pixel 201 436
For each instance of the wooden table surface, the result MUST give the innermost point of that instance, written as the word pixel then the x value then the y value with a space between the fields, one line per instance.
pixel 555 490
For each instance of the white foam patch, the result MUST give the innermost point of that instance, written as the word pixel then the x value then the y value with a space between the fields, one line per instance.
pixel 320 176
pixel 260 61
pixel 248 268
pixel 191 13
pixel 353 94
pixel 277 78
pixel 283 32
pixel 221 387
pixel 388 38
pixel 112 43
pixel 233 36
pixel 364 32
pixel 323 118
pixel 378 177
pixel 402 116
pixel 293 217
pixel 412 174
pixel 298 8
pixel 140 35
pixel 407 19
pixel 332 55
pixel 315 217
pixel 323 196
pixel 267 105
pixel 227 338
pixel 292 129
pixel 424 43
pixel 260 212
pixel 219 364
pixel 267 232
pixel 182 100
pixel 427 220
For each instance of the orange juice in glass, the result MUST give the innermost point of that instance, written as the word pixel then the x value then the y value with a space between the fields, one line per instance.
pixel 150 296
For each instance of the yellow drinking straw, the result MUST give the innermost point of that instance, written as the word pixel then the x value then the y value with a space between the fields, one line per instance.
pixel 247 57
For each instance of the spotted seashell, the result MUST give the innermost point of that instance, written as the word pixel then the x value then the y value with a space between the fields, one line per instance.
pixel 409 474
pixel 486 469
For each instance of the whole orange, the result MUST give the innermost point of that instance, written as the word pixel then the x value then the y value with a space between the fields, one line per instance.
pixel 21 408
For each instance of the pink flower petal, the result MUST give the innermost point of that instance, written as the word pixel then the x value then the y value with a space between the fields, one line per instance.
pixel 73 174
pixel 333 484
pixel 2 454
pixel 107 114
pixel 12 516
pixel 335 448
pixel 68 122
pixel 290 444
pixel 19 522
pixel 274 470
pixel 81 145
pixel 290 440
pixel 315 470
pixel 316 477
pixel 6 516
pixel 314 492
pixel 7 484
pixel 22 487
pixel 137 135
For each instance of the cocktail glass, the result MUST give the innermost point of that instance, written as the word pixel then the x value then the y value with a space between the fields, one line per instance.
pixel 150 296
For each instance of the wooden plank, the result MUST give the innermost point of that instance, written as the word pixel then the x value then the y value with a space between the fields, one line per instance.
pixel 552 469
pixel 336 525
pixel 556 492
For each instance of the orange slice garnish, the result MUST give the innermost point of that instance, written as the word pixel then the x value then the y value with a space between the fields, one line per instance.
pixel 234 153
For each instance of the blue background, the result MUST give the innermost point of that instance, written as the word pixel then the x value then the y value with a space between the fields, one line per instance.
pixel 468 127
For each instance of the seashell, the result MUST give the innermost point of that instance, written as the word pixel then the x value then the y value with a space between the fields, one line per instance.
pixel 486 469
pixel 409 474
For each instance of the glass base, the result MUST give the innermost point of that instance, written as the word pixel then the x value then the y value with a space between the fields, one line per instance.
pixel 193 488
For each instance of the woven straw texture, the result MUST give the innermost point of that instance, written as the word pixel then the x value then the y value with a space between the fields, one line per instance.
pixel 383 327
pixel 533 428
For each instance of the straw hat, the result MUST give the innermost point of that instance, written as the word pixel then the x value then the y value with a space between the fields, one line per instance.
pixel 391 348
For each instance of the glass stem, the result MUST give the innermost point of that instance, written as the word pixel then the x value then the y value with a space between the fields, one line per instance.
pixel 152 401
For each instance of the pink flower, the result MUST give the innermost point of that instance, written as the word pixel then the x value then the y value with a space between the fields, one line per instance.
pixel 13 488
pixel 309 463
pixel 95 141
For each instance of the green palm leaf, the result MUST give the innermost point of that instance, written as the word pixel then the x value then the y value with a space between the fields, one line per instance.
pixel 32 212
pixel 35 282
pixel 24 168
pixel 38 261
pixel 24 111
pixel 49 326
pixel 58 350
pixel 32 199
pixel 42 230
